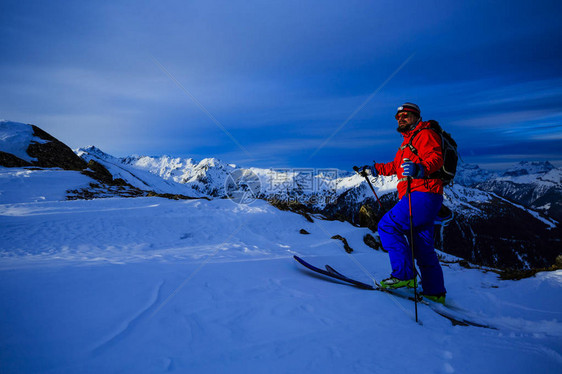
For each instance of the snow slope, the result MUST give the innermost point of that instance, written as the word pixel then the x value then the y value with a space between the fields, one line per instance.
pixel 18 185
pixel 149 285
pixel 15 137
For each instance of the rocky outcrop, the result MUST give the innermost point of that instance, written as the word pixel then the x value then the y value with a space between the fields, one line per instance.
pixel 46 151
pixel 53 153
pixel 97 171
pixel 10 161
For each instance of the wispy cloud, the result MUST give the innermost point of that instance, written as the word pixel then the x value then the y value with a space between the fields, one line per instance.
pixel 520 94
pixel 202 107
pixel 285 79
pixel 505 119
pixel 363 104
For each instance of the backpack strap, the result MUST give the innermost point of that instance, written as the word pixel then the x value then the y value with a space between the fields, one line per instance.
pixel 410 145
pixel 415 151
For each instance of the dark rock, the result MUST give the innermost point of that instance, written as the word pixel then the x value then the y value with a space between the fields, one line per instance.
pixel 373 242
pixel 10 161
pixel 307 216
pixel 97 171
pixel 174 196
pixel 101 190
pixel 346 246
pixel 53 153
pixel 304 232
pixel 292 206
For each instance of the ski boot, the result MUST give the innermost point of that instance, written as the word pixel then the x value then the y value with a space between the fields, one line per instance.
pixel 392 283
pixel 436 298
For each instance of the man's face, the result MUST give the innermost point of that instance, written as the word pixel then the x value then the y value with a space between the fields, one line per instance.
pixel 405 119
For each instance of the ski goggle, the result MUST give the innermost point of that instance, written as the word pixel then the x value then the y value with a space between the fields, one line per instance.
pixel 401 115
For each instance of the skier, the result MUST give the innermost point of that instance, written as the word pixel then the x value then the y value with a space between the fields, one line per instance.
pixel 426 198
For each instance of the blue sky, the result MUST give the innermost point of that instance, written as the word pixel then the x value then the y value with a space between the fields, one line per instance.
pixel 285 84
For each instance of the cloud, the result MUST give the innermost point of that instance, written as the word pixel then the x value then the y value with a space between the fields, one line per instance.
pixel 280 76
pixel 505 120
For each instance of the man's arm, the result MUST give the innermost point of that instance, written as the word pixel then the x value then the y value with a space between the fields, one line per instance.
pixel 385 169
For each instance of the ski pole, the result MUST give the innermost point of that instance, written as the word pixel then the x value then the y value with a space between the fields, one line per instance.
pixel 370 185
pixel 409 192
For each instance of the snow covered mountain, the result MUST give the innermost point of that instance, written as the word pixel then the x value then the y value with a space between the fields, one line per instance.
pixel 470 175
pixel 23 145
pixel 28 145
pixel 529 168
pixel 488 227
pixel 138 177
pixel 209 177
pixel 537 185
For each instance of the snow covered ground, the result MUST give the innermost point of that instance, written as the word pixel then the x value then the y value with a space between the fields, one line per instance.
pixel 149 285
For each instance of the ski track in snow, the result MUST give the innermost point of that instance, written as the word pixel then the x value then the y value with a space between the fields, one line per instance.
pixel 127 327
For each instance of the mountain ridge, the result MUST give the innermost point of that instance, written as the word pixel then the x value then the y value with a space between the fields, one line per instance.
pixel 481 207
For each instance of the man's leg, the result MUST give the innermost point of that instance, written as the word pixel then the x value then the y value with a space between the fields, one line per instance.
pixel 395 226
pixel 430 269
pixel 392 227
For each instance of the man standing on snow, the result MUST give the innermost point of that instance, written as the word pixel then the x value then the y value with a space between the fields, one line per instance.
pixel 418 161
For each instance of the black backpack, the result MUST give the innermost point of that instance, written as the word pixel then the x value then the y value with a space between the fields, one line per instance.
pixel 450 153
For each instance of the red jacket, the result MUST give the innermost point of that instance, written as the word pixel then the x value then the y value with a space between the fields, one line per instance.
pixel 430 156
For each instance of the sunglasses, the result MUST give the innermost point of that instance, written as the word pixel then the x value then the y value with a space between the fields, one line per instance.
pixel 401 115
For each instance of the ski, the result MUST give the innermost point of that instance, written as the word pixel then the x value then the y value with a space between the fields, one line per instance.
pixel 377 286
pixel 440 309
pixel 335 275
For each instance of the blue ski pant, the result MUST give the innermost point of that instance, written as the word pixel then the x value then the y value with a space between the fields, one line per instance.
pixel 394 231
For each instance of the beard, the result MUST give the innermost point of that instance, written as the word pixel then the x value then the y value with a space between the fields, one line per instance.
pixel 403 129
pixel 406 128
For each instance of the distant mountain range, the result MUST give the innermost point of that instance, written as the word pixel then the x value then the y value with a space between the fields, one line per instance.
pixel 536 185
pixel 507 219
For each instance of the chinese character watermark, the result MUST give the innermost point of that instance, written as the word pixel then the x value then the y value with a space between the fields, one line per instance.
pixel 242 186
pixel 283 185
